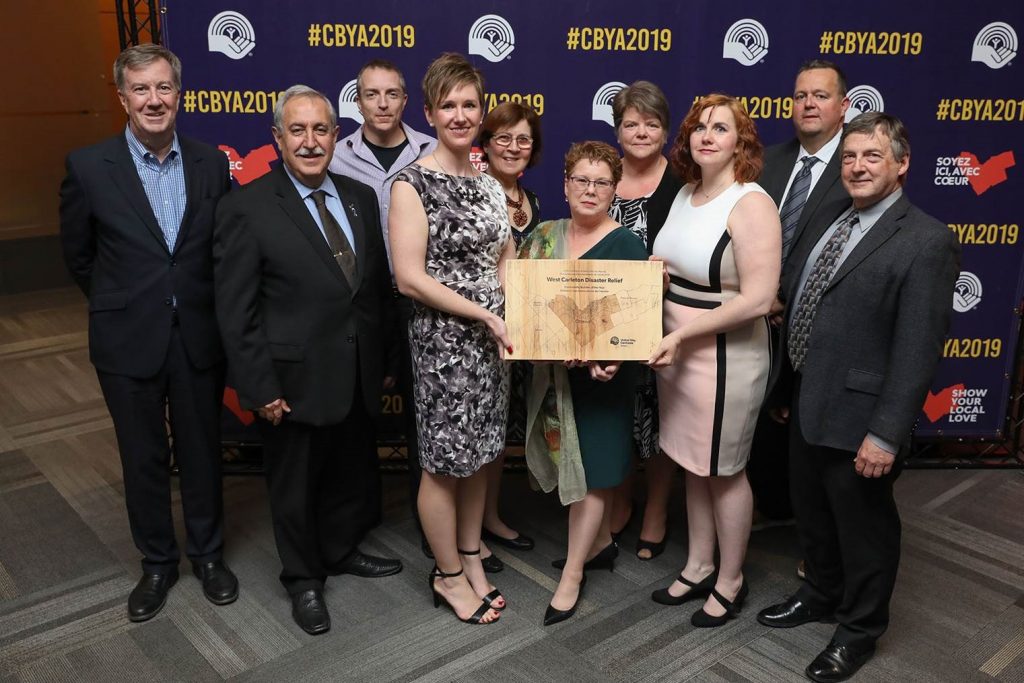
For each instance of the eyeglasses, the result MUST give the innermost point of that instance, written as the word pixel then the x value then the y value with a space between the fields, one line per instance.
pixel 581 184
pixel 505 139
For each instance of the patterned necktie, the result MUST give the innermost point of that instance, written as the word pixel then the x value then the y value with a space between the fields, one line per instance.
pixel 794 204
pixel 817 280
pixel 340 247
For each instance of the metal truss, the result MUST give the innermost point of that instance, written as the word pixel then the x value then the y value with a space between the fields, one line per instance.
pixel 138 21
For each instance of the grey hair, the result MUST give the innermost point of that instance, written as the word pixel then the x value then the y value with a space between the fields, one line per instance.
pixel 872 122
pixel 138 56
pixel 301 91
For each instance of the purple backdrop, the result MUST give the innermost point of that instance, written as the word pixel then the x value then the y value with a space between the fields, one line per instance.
pixel 947 68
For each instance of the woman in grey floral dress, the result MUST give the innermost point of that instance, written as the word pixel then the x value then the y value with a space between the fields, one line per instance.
pixel 450 238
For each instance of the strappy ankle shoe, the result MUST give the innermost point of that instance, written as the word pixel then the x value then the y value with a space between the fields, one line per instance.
pixel 702 619
pixel 494 594
pixel 700 589
pixel 438 599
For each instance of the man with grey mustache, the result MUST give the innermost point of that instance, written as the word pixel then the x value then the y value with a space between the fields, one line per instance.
pixel 304 303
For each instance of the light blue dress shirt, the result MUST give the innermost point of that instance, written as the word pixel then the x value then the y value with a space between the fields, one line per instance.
pixel 164 183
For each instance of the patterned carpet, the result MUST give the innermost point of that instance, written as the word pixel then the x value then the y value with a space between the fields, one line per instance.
pixel 67 564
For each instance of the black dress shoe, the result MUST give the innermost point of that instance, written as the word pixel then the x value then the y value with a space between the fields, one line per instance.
pixel 150 594
pixel 837 663
pixel 520 542
pixel 603 560
pixel 792 613
pixel 310 612
pixel 220 586
pixel 553 616
pixel 492 564
pixel 702 619
pixel 698 589
pixel 368 566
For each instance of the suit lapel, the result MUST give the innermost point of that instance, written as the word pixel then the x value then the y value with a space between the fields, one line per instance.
pixel 829 177
pixel 777 178
pixel 191 159
pixel 126 179
pixel 885 227
pixel 355 220
pixel 295 207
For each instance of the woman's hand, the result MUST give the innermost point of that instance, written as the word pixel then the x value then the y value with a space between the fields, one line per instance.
pixel 665 354
pixel 496 326
pixel 664 272
pixel 604 372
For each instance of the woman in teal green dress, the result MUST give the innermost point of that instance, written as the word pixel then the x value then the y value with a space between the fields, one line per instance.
pixel 580 415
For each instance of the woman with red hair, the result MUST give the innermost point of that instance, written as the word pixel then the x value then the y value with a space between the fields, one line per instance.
pixel 721 245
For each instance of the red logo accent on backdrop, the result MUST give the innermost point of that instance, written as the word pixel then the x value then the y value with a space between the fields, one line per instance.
pixel 990 173
pixel 232 403
pixel 937 406
pixel 250 167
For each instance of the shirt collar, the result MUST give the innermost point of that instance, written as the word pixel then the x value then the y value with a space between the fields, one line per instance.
pixel 827 150
pixel 139 150
pixel 304 191
pixel 871 214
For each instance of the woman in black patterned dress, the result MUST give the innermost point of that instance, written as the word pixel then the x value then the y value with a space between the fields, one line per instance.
pixel 511 140
pixel 450 239
pixel 641 203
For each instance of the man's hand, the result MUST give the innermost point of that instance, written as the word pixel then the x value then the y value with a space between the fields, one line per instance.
pixel 274 411
pixel 872 461
pixel 780 415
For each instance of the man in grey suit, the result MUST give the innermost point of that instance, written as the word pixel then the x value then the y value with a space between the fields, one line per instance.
pixel 868 298
pixel 802 176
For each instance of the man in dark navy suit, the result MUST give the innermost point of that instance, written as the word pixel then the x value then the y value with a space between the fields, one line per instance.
pixel 136 217
pixel 802 176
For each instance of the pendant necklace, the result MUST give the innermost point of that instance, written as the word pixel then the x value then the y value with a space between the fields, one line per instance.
pixel 519 216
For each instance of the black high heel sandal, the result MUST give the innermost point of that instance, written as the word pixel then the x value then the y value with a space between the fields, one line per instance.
pixel 702 619
pixel 603 560
pixel 699 589
pixel 483 609
pixel 494 594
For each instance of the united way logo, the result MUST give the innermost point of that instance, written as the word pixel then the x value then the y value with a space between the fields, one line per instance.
pixel 746 41
pixel 492 38
pixel 863 99
pixel 602 108
pixel 348 102
pixel 231 34
pixel 967 292
pixel 995 45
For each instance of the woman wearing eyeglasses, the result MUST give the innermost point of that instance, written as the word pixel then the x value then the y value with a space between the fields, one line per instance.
pixel 590 457
pixel 511 140
pixel 641 203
